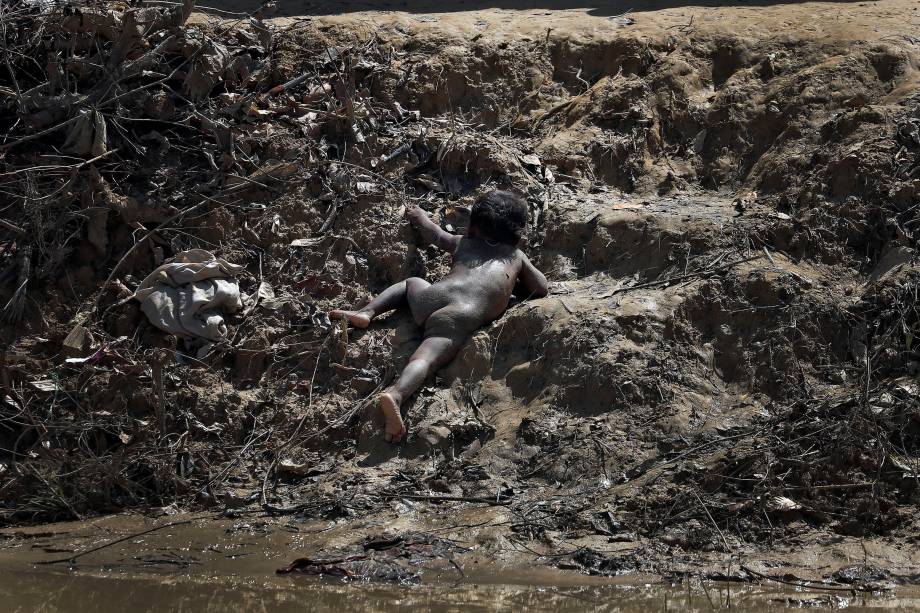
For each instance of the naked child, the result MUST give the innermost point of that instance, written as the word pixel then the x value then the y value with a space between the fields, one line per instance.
pixel 487 269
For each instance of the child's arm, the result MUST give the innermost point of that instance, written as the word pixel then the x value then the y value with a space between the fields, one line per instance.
pixel 431 232
pixel 530 283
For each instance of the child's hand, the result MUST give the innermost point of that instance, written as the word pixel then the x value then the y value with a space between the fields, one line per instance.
pixel 432 232
pixel 416 216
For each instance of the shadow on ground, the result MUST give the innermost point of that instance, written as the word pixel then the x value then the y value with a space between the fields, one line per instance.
pixel 600 8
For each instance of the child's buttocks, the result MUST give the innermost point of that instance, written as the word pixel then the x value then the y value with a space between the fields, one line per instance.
pixel 428 300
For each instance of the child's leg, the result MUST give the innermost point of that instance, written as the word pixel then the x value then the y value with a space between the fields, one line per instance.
pixel 392 297
pixel 432 354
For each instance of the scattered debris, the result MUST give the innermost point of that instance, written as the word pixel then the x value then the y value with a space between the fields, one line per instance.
pixel 383 558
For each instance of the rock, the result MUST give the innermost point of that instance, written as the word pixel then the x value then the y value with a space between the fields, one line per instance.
pixel 435 435
pixel 288 468
pixel 77 342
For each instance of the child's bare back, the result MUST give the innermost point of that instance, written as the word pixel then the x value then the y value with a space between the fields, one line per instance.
pixel 476 291
pixel 487 269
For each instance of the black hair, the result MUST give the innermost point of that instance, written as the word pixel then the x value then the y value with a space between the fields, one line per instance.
pixel 500 216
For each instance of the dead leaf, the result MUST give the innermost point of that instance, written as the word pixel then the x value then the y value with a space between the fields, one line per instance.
pixel 307 242
pixel 781 504
pixel 903 464
pixel 255 111
pixel 88 135
pixel 207 69
pixel 323 286
pixel 429 182
pixel 45 385
pixel 289 468
pixel 168 510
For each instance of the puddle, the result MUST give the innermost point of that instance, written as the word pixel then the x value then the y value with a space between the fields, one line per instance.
pixel 53 591
pixel 206 564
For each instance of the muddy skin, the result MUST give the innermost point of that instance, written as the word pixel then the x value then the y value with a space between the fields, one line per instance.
pixel 484 274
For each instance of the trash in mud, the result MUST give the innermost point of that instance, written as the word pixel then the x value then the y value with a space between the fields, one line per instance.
pixel 597 563
pixel 384 559
pixel 191 295
pixel 860 574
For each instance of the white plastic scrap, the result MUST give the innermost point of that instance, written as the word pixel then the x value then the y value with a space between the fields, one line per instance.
pixel 190 295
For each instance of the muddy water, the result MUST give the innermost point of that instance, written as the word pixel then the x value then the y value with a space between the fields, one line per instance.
pixel 228 565
pixel 68 591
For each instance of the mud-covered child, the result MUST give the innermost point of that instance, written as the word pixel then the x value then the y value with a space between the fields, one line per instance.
pixel 487 269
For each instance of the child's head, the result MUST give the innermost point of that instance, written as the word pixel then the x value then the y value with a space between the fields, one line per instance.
pixel 499 216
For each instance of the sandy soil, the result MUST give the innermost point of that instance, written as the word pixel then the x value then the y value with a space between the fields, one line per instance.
pixel 836 21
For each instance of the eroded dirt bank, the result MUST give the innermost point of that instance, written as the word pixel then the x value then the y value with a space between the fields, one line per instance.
pixel 723 377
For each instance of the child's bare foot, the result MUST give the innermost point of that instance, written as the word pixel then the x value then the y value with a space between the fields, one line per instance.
pixel 395 429
pixel 359 319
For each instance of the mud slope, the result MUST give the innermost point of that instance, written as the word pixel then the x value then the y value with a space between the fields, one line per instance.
pixel 725 367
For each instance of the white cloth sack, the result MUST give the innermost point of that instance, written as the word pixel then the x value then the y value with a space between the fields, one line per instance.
pixel 189 296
